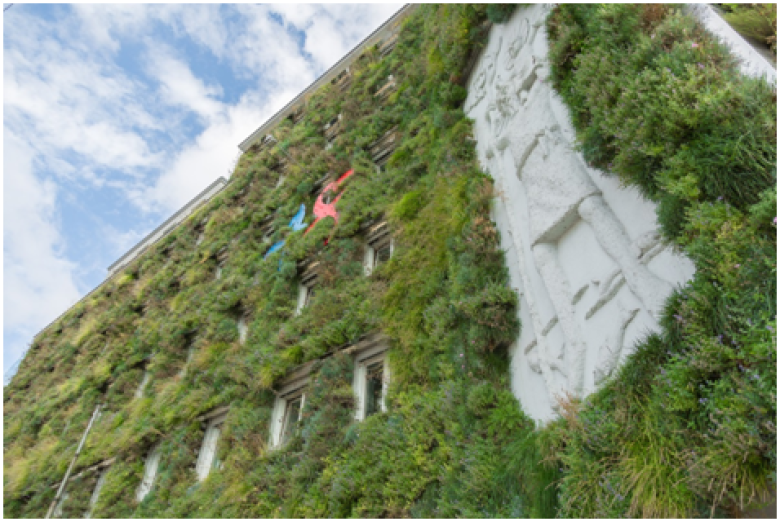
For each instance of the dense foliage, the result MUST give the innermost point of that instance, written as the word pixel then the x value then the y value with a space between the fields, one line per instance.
pixel 685 428
pixel 758 21
pixel 688 426
pixel 453 442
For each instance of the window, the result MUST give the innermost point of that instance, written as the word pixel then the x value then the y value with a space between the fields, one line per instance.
pixel 370 382
pixel 150 472
pixel 343 80
pixel 382 148
pixel 243 329
pixel 332 129
pixel 286 416
pixel 374 386
pixel 200 229
pixel 58 510
pixel 292 415
pixel 386 90
pixel 189 342
pixel 139 392
pixel 208 450
pixel 190 354
pixel 96 493
pixel 288 407
pixel 306 288
pixel 305 293
pixel 267 233
pixel 221 260
pixel 379 248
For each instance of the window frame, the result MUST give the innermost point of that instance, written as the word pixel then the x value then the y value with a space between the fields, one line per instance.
pixel 139 392
pixel 58 509
pixel 243 328
pixel 292 389
pixel 150 472
pixel 207 456
pixel 96 492
pixel 306 286
pixel 378 237
pixel 363 360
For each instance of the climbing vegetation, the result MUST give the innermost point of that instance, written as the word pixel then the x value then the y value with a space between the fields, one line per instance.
pixel 687 428
pixel 443 448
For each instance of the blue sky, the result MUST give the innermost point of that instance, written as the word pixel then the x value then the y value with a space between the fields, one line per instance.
pixel 114 116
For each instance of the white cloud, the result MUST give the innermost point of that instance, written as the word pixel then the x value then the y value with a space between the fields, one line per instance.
pixel 180 87
pixel 332 30
pixel 266 51
pixel 203 23
pixel 101 25
pixel 211 155
pixel 107 25
pixel 57 99
pixel 38 280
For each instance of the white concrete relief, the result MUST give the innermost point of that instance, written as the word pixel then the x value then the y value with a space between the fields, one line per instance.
pixel 583 253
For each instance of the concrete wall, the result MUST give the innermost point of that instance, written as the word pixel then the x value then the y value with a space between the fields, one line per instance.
pixel 583 253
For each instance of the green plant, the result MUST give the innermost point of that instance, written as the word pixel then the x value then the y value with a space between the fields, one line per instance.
pixel 686 428
pixel 757 21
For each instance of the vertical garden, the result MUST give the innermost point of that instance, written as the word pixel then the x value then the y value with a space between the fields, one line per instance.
pixel 686 428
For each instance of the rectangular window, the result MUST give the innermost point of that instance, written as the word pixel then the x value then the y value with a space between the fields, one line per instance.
pixel 387 89
pixel 370 382
pixel 379 247
pixel 221 260
pixel 305 293
pixel 292 415
pixel 208 450
pixel 243 329
pixel 382 148
pixel 200 230
pixel 288 407
pixel 374 386
pixel 306 288
pixel 150 472
pixel 382 254
pixel 96 493
pixel 139 392
pixel 286 416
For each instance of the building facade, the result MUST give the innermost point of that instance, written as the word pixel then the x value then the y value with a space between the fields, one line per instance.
pixel 411 272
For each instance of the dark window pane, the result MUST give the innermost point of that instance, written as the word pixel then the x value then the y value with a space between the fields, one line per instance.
pixel 373 388
pixel 292 415
pixel 382 255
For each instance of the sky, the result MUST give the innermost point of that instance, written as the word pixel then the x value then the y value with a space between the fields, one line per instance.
pixel 114 116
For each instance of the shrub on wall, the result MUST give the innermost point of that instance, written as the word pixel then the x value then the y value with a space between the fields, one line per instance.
pixel 443 448
pixel 687 428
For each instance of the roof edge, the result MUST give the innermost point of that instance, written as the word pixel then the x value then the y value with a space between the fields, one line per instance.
pixel 328 75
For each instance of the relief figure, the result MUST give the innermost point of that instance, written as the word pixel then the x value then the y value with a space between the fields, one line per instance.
pixel 521 115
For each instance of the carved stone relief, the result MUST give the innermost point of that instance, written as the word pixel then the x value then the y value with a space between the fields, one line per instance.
pixel 584 254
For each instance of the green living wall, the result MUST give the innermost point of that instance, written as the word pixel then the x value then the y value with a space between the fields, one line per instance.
pixel 452 438
pixel 686 427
